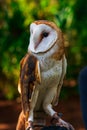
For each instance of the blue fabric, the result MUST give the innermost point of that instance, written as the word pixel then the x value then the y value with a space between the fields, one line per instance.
pixel 83 93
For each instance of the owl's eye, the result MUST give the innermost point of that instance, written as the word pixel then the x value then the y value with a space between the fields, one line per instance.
pixel 45 34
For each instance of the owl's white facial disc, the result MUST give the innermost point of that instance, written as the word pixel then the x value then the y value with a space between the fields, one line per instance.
pixel 42 38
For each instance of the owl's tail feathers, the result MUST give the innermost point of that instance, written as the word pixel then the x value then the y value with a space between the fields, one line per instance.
pixel 21 122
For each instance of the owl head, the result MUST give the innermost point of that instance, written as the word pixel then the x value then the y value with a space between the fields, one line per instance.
pixel 43 36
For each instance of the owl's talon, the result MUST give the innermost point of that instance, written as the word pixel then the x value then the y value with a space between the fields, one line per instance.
pixel 70 127
pixel 60 114
pixel 30 126
pixel 56 120
pixel 65 124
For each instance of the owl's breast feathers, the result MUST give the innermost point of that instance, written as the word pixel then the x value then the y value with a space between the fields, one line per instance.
pixel 29 74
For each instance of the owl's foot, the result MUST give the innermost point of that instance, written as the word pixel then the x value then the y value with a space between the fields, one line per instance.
pixel 56 120
pixel 29 125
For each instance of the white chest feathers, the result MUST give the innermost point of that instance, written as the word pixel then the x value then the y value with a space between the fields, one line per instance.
pixel 50 69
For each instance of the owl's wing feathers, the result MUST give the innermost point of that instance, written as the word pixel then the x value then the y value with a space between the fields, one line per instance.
pixel 29 74
pixel 64 67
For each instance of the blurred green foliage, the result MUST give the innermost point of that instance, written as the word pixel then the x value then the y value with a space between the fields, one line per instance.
pixel 15 18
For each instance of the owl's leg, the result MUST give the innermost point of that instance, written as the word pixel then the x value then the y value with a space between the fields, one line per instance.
pixel 49 110
pixel 32 106
pixel 48 100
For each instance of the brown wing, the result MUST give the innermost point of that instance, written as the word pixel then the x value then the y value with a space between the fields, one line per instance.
pixel 29 74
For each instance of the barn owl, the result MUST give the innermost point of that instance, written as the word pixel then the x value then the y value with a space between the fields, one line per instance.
pixel 42 71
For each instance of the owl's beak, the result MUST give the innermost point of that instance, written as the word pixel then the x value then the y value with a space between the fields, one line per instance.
pixel 36 43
